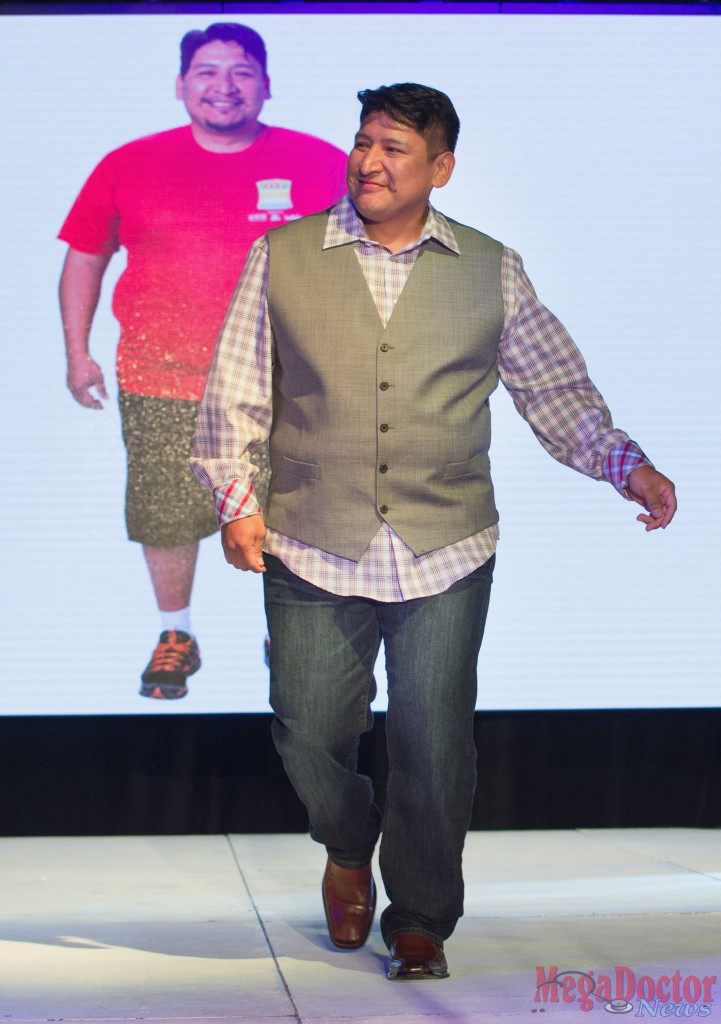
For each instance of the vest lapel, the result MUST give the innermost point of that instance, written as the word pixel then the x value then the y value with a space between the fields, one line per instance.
pixel 424 274
pixel 351 281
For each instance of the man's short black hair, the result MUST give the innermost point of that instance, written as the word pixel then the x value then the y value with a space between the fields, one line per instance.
pixel 227 32
pixel 426 110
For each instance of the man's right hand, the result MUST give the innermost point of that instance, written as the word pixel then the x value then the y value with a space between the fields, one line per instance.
pixel 82 376
pixel 243 543
pixel 80 284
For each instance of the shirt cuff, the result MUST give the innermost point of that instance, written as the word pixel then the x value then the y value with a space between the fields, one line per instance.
pixel 621 462
pixel 235 500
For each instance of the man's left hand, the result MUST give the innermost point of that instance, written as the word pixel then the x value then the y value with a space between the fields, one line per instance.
pixel 656 493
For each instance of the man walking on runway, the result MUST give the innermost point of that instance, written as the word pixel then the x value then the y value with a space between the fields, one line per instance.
pixel 365 342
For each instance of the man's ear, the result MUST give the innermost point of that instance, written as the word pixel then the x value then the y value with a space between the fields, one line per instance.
pixel 444 164
pixel 267 88
pixel 179 88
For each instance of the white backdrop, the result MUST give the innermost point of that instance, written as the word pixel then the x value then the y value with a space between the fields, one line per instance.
pixel 588 143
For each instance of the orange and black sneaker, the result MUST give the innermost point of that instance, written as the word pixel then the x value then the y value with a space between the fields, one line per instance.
pixel 175 658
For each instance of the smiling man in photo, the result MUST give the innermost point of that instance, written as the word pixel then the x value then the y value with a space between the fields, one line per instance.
pixel 186 204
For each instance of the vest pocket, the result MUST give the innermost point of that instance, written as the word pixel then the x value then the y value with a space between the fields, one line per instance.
pixel 306 469
pixel 474 467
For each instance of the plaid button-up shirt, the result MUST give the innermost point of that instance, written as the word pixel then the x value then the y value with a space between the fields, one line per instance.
pixel 537 362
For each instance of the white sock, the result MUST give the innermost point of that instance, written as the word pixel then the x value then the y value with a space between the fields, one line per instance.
pixel 179 619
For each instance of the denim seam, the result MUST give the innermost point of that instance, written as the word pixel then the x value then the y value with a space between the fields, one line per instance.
pixel 422 932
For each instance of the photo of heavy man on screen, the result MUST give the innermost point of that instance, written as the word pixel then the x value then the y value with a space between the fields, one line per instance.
pixel 186 204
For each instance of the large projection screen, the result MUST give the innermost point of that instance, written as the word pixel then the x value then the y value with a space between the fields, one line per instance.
pixel 591 145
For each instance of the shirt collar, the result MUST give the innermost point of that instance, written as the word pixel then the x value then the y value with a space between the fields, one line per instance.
pixel 345 226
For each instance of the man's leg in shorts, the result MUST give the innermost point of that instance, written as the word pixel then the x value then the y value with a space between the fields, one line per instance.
pixel 172 571
pixel 167 512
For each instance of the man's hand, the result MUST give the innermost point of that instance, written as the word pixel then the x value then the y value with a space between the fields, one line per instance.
pixel 243 543
pixel 656 493
pixel 84 374
pixel 80 284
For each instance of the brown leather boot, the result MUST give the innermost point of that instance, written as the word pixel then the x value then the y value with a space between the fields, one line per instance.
pixel 416 957
pixel 349 899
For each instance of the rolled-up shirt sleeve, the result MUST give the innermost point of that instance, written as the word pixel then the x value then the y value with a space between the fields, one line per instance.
pixel 547 378
pixel 236 411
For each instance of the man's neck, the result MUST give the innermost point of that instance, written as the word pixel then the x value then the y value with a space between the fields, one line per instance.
pixel 227 142
pixel 396 236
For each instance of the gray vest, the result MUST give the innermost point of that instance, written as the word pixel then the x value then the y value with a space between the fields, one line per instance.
pixel 373 424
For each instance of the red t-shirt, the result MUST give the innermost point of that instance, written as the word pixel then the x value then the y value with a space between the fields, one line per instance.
pixel 187 218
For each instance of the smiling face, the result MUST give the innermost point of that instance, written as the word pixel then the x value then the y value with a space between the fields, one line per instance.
pixel 390 177
pixel 223 90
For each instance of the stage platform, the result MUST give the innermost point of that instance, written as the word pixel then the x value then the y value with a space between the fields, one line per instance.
pixel 228 929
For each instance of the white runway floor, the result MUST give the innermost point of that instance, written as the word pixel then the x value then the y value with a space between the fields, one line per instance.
pixel 230 929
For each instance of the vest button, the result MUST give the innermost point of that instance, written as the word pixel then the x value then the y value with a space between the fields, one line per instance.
pixel 383 468
pixel 385 347
pixel 384 385
pixel 383 509
pixel 383 428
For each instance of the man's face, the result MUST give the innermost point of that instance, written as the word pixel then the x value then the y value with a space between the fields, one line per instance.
pixel 389 174
pixel 224 88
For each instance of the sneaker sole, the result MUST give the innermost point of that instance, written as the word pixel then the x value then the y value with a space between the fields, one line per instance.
pixel 163 692
pixel 166 691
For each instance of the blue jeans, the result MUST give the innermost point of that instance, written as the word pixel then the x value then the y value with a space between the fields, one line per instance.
pixel 322 653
